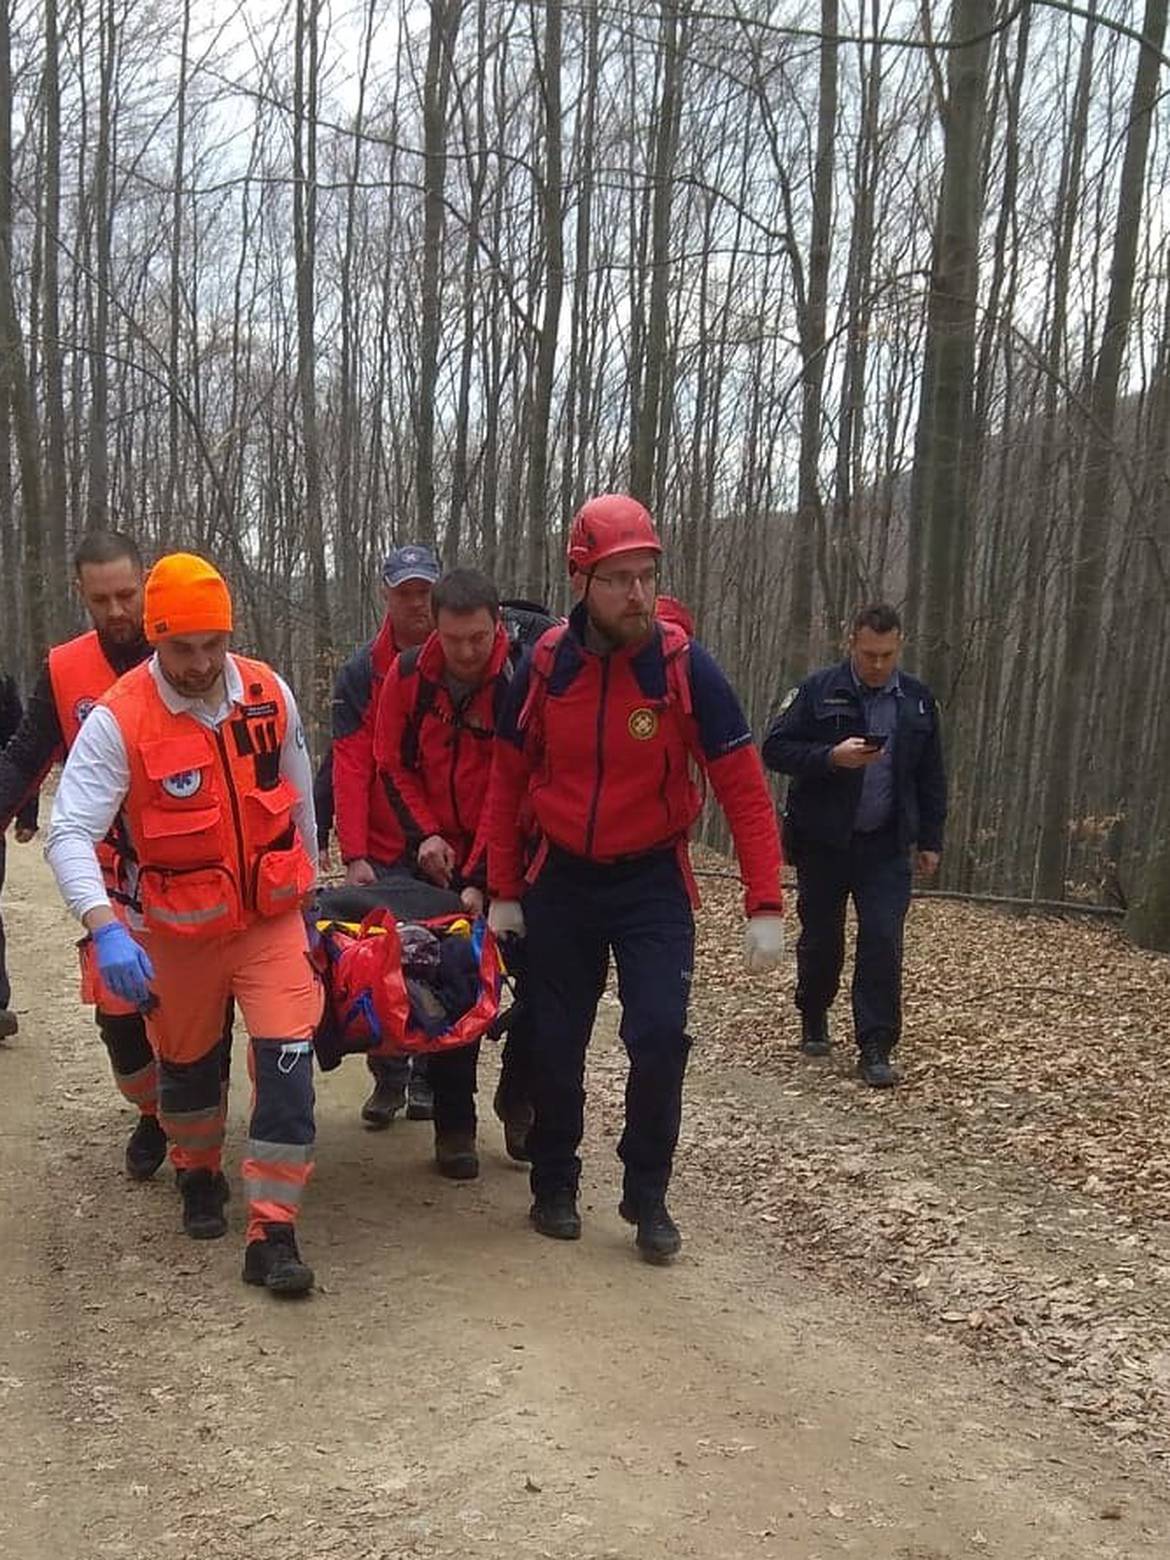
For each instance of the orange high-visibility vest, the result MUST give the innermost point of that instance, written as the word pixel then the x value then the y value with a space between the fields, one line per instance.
pixel 79 675
pixel 208 815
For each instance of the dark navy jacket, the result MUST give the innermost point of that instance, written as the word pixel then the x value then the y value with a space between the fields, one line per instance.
pixel 822 800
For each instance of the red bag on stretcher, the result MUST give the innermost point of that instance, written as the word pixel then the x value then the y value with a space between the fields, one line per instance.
pixel 375 1006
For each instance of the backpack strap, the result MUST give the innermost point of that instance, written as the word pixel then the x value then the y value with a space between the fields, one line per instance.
pixel 504 681
pixel 425 694
pixel 544 654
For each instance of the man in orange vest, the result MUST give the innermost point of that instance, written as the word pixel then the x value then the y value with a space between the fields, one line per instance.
pixel 108 569
pixel 200 758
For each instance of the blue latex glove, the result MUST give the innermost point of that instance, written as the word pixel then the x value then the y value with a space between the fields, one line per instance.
pixel 123 965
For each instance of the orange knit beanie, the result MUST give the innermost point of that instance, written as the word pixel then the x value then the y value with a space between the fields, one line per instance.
pixel 186 595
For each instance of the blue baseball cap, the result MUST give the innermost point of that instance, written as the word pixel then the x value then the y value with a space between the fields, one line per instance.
pixel 412 562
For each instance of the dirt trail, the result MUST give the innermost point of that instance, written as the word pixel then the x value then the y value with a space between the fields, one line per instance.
pixel 460 1387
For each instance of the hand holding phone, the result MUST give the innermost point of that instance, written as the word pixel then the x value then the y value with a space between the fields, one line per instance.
pixel 875 740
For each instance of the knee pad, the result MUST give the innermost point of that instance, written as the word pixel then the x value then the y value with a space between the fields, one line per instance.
pixel 282 1111
pixel 190 1086
pixel 124 1037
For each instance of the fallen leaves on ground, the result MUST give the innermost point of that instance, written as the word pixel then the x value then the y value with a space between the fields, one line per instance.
pixel 1015 1186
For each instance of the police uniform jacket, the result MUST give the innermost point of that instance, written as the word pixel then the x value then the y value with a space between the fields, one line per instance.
pixel 823 800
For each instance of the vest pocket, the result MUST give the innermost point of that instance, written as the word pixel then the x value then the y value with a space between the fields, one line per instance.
pixel 198 902
pixel 179 836
pixel 269 812
pixel 283 876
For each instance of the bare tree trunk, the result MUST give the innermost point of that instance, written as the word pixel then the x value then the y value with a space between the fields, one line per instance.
pixel 305 242
pixel 445 16
pixel 174 425
pixel 98 496
pixel 478 161
pixel 554 282
pixel 9 537
pixel 810 513
pixel 15 371
pixel 352 312
pixel 56 489
pixel 649 409
pixel 940 491
pixel 1082 642
pixel 842 544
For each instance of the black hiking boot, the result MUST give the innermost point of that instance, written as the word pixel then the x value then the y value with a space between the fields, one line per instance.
pixel 555 1214
pixel 146 1149
pixel 275 1263
pixel 9 1024
pixel 204 1193
pixel 814 1034
pixel 455 1155
pixel 658 1238
pixel 383 1104
pixel 517 1117
pixel 420 1098
pixel 873 1066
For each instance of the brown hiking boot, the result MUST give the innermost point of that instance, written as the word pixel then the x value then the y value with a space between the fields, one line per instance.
pixel 455 1155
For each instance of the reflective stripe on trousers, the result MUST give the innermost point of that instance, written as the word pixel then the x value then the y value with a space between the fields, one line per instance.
pixel 279 1154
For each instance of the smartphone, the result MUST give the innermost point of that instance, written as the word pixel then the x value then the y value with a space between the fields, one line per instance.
pixel 875 739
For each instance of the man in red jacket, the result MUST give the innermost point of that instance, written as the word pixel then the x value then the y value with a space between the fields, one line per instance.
pixel 433 746
pixel 604 729
pixel 369 834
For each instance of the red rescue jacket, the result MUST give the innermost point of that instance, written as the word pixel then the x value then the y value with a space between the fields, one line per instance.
pixel 611 752
pixel 434 756
pixel 366 824
pixel 208 815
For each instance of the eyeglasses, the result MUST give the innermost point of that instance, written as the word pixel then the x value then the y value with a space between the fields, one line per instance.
pixel 623 581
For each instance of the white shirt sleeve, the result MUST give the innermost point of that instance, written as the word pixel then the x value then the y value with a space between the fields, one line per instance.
pixel 93 784
pixel 297 768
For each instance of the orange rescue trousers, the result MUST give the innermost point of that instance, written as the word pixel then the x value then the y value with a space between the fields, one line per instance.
pixel 266 969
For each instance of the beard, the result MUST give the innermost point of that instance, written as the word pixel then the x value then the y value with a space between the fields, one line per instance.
pixel 123 645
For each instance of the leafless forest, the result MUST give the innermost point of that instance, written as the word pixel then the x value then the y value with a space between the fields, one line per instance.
pixel 865 300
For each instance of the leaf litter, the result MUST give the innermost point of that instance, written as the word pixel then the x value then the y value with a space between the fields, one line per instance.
pixel 1014 1188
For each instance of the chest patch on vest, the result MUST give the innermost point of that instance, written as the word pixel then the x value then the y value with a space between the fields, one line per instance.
pixel 258 711
pixel 642 724
pixel 81 709
pixel 183 785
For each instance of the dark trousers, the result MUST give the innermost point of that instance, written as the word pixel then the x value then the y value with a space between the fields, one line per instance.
pixel 5 987
pixel 396 1070
pixel 877 874
pixel 576 912
pixel 452 1077
pixel 516 1058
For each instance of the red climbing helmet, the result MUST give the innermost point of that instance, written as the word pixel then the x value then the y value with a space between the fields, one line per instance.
pixel 609 524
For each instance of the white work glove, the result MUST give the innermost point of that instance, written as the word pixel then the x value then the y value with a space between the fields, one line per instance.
pixel 506 917
pixel 763 943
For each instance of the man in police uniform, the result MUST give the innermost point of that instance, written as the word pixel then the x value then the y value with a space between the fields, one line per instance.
pixel 861 742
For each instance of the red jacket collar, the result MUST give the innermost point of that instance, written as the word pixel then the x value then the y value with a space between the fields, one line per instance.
pixel 383 649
